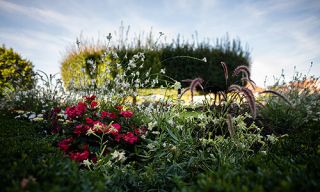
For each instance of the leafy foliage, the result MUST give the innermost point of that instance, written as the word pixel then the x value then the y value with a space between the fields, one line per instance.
pixel 15 72
pixel 177 58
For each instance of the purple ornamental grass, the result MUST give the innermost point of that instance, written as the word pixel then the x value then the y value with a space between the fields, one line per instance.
pixel 225 70
pixel 197 82
pixel 251 100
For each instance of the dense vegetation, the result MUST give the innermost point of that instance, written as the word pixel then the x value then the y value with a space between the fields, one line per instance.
pixel 15 72
pixel 99 139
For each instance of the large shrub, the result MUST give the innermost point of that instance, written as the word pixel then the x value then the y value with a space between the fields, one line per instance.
pixel 87 65
pixel 180 60
pixel 15 72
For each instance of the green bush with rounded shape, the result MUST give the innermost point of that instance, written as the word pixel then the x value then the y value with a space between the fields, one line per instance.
pixel 15 72
pixel 87 67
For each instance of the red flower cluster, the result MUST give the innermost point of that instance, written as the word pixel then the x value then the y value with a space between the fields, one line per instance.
pixel 65 143
pixel 76 111
pixel 113 126
pixel 80 156
pixel 126 114
pixel 105 114
pixel 130 137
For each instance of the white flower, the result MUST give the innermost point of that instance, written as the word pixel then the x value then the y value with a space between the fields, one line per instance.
pixel 87 163
pixel 118 156
pixel 32 116
pixel 89 132
pixel 156 132
pixel 150 146
pixel 163 71
pixel 180 127
pixel 272 138
pixel 173 148
pixel 37 119
pixel 201 116
pixel 151 125
pixel 204 59
pixel 170 121
pixel 177 85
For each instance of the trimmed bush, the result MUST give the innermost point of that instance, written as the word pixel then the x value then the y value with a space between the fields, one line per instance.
pixel 181 61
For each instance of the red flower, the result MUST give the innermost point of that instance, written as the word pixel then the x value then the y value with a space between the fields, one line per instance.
pixel 76 111
pixel 81 108
pixel 80 129
pixel 90 98
pixel 139 131
pixel 118 137
pixel 114 129
pixel 130 138
pixel 94 159
pixel 126 114
pixel 64 144
pixel 98 127
pixel 80 156
pixel 56 110
pixel 89 120
pixel 119 108
pixel 93 104
pixel 71 112
pixel 109 115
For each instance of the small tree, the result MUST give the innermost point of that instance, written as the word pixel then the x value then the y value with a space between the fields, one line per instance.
pixel 15 72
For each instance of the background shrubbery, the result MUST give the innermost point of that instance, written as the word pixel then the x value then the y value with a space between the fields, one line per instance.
pixel 181 60
pixel 15 72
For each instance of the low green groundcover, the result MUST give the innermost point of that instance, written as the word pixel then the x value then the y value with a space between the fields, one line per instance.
pixel 29 161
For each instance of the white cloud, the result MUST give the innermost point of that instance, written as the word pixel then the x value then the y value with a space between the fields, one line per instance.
pixel 281 33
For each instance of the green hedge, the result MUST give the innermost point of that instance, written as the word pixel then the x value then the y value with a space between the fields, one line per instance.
pixel 181 61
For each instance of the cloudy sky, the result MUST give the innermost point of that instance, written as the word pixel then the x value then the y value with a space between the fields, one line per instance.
pixel 281 34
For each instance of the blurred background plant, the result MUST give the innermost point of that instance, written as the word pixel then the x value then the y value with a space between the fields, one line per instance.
pixel 159 54
pixel 15 72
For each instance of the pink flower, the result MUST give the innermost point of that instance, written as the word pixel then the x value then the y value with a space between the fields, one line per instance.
pixel 126 114
pixel 130 138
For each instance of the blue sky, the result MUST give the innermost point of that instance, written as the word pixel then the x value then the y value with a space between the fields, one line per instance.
pixel 280 34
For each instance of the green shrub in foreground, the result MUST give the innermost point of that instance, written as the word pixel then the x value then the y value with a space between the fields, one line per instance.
pixel 29 161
